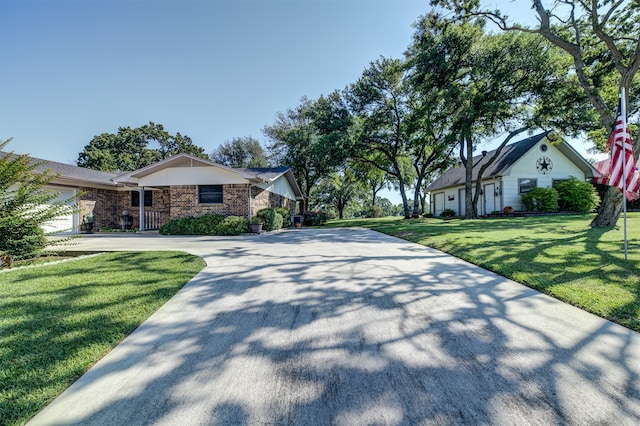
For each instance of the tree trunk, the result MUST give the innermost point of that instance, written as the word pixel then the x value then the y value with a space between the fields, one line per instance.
pixel 610 209
pixel 416 198
pixel 469 206
pixel 405 202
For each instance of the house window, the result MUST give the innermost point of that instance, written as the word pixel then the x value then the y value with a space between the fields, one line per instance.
pixel 135 198
pixel 210 194
pixel 526 185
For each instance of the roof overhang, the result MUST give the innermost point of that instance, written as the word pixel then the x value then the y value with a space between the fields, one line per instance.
pixel 180 160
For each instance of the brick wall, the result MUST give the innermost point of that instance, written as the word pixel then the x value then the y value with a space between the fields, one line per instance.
pixel 105 204
pixel 184 201
pixel 175 202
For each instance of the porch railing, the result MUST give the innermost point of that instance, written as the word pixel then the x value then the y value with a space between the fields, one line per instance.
pixel 151 220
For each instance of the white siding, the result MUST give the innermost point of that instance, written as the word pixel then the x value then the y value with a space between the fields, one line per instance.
pixel 562 168
pixel 192 176
pixel 279 186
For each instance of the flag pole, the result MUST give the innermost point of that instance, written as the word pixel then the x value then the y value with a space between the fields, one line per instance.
pixel 623 111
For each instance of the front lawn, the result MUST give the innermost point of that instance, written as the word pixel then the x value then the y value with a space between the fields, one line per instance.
pixel 57 320
pixel 558 255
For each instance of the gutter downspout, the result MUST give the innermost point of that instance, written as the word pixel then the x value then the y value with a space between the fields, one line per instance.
pixel 141 208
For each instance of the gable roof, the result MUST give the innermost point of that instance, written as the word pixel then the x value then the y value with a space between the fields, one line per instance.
pixel 508 157
pixel 269 174
pixel 74 175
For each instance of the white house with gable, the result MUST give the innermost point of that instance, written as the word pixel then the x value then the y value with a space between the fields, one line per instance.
pixel 520 167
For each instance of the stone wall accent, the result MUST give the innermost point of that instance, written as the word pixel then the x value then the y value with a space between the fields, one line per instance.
pixel 184 201
pixel 263 199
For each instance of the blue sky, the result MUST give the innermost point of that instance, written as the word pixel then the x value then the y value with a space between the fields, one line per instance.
pixel 212 70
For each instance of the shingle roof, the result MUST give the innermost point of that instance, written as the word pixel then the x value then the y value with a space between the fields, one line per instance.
pixel 70 171
pixel 509 155
pixel 266 173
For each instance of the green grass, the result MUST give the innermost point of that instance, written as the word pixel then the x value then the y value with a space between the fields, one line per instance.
pixel 558 255
pixel 57 320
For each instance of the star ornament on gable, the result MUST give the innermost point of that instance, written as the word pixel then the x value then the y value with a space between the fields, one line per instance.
pixel 544 165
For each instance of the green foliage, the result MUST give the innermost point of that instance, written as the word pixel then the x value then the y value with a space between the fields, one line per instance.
pixel 447 213
pixel 128 149
pixel 312 139
pixel 576 195
pixel 232 225
pixel 286 216
pixel 272 219
pixel 240 152
pixel 541 200
pixel 210 224
pixel 25 205
pixel 57 321
pixel 255 220
pixel 315 218
pixel 338 191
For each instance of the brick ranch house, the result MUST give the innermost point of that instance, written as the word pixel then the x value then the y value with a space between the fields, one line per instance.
pixel 179 186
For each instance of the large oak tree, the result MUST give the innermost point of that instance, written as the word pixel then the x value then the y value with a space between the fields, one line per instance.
pixel 131 149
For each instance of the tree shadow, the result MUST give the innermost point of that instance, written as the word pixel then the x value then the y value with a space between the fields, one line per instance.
pixel 344 330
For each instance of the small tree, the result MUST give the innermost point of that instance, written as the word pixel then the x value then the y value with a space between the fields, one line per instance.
pixel 25 205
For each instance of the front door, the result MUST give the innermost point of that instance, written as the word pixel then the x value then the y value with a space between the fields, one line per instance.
pixel 489 198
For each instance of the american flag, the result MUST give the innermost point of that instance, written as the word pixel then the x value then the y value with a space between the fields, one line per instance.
pixel 621 146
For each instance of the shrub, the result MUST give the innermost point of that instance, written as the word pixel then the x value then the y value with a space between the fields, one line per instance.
pixel 576 195
pixel 315 218
pixel 232 225
pixel 203 225
pixel 541 200
pixel 286 216
pixel 272 219
pixel 447 213
pixel 21 240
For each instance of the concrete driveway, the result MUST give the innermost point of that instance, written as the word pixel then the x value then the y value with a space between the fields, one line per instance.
pixel 351 327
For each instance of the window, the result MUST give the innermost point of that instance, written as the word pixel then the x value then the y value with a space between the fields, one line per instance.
pixel 135 198
pixel 526 185
pixel 210 194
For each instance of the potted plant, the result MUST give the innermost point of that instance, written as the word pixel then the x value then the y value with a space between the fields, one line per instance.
pixel 256 224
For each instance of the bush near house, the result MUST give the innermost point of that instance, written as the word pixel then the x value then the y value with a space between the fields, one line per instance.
pixel 576 195
pixel 541 200
pixel 315 218
pixel 447 213
pixel 286 216
pixel 271 218
pixel 210 224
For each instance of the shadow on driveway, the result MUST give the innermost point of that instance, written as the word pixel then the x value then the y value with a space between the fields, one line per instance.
pixel 348 326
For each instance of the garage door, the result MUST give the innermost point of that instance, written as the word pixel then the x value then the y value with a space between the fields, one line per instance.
pixel 64 224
